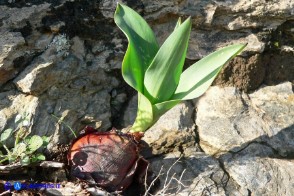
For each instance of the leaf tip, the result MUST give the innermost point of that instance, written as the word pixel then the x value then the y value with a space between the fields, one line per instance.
pixel 118 8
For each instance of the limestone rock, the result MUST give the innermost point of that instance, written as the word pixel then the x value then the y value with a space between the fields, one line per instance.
pixel 229 120
pixel 130 112
pixel 9 44
pixel 276 106
pixel 43 74
pixel 78 48
pixel 3 121
pixel 173 131
pixel 25 13
pixel 66 188
pixel 254 170
pixel 191 174
pixel 14 51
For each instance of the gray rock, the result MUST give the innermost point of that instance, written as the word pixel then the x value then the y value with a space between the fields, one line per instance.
pixel 276 106
pixel 9 47
pixel 44 73
pixel 222 14
pixel 229 120
pixel 78 48
pixel 66 188
pixel 173 131
pixel 27 13
pixel 130 112
pixel 192 174
pixel 254 170
pixel 3 121
pixel 76 110
pixel 14 50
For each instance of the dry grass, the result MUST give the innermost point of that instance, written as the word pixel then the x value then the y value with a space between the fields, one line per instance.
pixel 169 178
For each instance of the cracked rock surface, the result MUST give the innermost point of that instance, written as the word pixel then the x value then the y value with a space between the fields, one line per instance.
pixel 228 120
pixel 251 135
pixel 63 58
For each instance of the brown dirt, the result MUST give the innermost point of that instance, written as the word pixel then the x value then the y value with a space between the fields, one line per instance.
pixel 245 74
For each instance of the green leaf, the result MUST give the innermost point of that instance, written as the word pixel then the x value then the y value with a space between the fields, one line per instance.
pixel 5 134
pixel 38 157
pixel 160 108
pixel 19 149
pixel 12 159
pixel 142 45
pixel 197 78
pixel 34 143
pixel 163 75
pixel 25 160
pixel 45 140
pixel 144 118
pixel 178 23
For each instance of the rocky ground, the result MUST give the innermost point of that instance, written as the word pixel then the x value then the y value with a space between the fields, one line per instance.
pixel 63 58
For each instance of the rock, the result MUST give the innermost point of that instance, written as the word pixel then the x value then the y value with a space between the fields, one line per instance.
pixel 276 106
pixel 95 191
pixel 76 110
pixel 191 174
pixel 26 13
pixel 229 120
pixel 173 131
pixel 67 188
pixel 255 171
pixel 78 48
pixel 31 79
pixel 130 112
pixel 55 175
pixel 3 121
pixel 14 28
pixel 9 47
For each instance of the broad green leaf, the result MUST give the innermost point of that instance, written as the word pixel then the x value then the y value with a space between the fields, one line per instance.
pixel 5 134
pixel 144 118
pixel 19 149
pixel 160 108
pixel 198 77
pixel 45 140
pixel 12 159
pixel 142 45
pixel 163 75
pixel 38 157
pixel 25 160
pixel 35 143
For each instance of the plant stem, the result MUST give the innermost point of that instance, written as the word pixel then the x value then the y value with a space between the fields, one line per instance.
pixel 59 119
pixel 17 137
pixel 8 154
pixel 7 150
pixel 5 159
